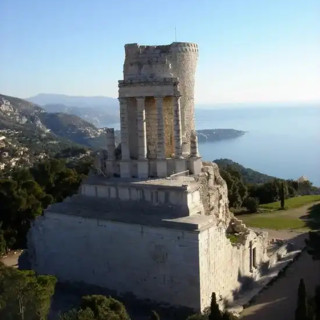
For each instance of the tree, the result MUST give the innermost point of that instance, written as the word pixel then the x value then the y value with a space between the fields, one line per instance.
pixel 56 179
pixel 154 315
pixel 305 187
pixel 198 316
pixel 269 192
pixel 25 193
pixel 237 191
pixel 3 244
pixel 302 304
pixel 293 187
pixel 252 204
pixel 97 307
pixel 21 201
pixel 82 314
pixel 23 295
pixel 228 316
pixel 283 193
pixel 215 313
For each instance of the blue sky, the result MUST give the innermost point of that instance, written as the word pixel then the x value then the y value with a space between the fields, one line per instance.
pixel 250 50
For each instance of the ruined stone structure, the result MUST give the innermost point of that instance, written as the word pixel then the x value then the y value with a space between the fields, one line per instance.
pixel 155 221
pixel 156 99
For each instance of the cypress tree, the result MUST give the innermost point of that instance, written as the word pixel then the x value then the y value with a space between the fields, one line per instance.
pixel 228 316
pixel 215 313
pixel 282 195
pixel 154 315
pixel 302 304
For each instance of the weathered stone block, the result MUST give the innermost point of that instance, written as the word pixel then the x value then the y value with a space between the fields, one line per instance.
pixel 195 165
pixel 109 171
pixel 143 169
pixel 180 165
pixel 162 169
pixel 125 169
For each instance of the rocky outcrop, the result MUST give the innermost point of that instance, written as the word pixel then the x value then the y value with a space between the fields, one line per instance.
pixel 19 114
pixel 214 192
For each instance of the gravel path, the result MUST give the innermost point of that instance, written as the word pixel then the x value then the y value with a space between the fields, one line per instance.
pixel 279 300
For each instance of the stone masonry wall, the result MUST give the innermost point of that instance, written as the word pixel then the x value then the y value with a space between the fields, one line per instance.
pixel 151 128
pixel 224 267
pixel 152 263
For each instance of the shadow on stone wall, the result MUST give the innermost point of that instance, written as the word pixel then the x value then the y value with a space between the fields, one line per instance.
pixel 68 296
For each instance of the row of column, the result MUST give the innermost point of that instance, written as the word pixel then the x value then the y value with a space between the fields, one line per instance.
pixel 141 126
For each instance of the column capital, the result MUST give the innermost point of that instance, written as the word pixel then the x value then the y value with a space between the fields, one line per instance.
pixel 122 99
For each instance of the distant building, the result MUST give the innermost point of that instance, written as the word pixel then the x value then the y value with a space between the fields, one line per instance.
pixel 302 179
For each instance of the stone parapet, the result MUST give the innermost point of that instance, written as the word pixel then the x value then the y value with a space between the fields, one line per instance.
pixel 184 47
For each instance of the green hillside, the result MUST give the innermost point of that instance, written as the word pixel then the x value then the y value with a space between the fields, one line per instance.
pixel 249 176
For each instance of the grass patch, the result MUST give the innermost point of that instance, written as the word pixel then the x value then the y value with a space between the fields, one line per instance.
pixel 294 218
pixel 233 238
pixel 291 203
pixel 273 222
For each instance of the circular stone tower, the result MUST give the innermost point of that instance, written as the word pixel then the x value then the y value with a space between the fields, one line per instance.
pixel 157 108
pixel 183 58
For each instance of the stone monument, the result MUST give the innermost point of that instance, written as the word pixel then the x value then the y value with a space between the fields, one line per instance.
pixel 154 222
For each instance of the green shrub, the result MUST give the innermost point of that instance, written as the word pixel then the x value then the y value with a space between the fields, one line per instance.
pixel 97 307
pixel 252 204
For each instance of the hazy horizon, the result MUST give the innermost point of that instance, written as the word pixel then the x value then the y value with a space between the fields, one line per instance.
pixel 217 105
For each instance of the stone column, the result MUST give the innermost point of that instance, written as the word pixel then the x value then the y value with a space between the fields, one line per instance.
pixel 143 167
pixel 110 143
pixel 177 127
pixel 194 144
pixel 161 145
pixel 125 153
pixel 109 162
pixel 195 162
pixel 180 162
pixel 142 133
pixel 162 170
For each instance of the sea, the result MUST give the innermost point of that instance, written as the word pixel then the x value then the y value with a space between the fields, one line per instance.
pixel 279 141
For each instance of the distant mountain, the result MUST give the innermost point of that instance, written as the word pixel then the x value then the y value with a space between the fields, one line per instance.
pixel 211 135
pixel 24 138
pixel 28 132
pixel 100 111
pixel 248 175
pixel 73 101
pixel 74 128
